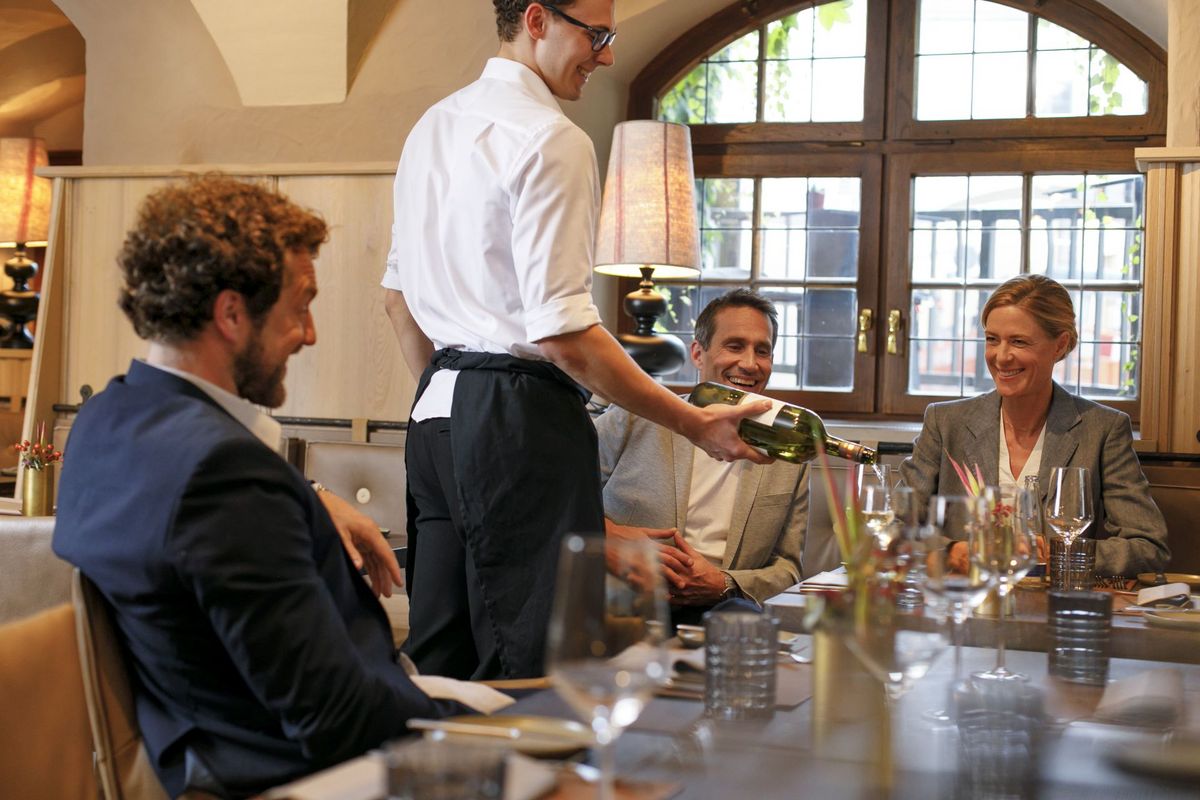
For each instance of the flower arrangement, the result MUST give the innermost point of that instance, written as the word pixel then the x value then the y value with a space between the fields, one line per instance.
pixel 39 454
pixel 974 485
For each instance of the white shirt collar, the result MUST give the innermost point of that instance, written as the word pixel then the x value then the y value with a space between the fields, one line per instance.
pixel 265 429
pixel 505 69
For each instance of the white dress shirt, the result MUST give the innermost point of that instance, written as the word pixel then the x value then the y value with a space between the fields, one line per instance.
pixel 495 204
pixel 266 429
pixel 1008 483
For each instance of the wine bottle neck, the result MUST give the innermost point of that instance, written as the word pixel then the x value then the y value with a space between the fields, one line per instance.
pixel 851 451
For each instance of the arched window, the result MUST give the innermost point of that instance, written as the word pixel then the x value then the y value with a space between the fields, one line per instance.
pixel 877 167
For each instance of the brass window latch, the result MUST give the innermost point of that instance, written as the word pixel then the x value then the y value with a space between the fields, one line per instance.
pixel 894 320
pixel 866 321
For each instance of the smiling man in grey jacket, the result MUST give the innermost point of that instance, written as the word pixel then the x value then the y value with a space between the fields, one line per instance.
pixel 726 529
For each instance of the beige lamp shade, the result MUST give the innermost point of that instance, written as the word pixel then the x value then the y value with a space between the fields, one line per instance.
pixel 24 197
pixel 648 215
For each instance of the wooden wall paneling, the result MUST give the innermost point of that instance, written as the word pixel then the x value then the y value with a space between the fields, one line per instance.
pixel 355 369
pixel 1158 306
pixel 1185 435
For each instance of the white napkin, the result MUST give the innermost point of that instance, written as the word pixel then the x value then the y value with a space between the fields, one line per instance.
pixel 1152 698
pixel 365 778
pixel 483 699
pixel 1165 594
pixel 837 577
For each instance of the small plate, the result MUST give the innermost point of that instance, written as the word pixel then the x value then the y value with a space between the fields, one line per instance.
pixel 1179 620
pixel 544 737
pixel 1151 579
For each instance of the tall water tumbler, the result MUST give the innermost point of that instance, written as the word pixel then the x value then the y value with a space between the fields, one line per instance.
pixel 1080 626
pixel 740 651
pixel 1072 565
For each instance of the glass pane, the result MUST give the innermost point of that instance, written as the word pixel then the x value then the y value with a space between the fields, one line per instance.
pixel 725 202
pixel 1056 200
pixel 832 254
pixel 1110 317
pixel 837 94
pixel 1057 251
pixel 937 314
pixel 784 202
pixel 1000 28
pixel 834 202
pixel 934 367
pixel 686 101
pixel 1062 83
pixel 743 49
pixel 1107 369
pixel 789 91
pixel 789 350
pixel 943 87
pixel 1056 37
pixel 1000 86
pixel 994 235
pixel 726 253
pixel 939 224
pixel 841 29
pixel 732 92
pixel 945 26
pixel 1066 372
pixel 791 37
pixel 829 365
pixel 1115 89
pixel 1114 201
pixel 783 254
pixel 830 312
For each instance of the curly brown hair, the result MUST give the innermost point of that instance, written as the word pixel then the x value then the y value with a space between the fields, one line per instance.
pixel 199 237
pixel 509 13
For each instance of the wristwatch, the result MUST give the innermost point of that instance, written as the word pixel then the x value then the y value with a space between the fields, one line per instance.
pixel 731 588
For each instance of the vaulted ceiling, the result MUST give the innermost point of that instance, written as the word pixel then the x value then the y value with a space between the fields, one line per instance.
pixel 41 65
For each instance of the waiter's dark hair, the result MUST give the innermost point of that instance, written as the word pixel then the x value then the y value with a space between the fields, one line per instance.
pixel 199 237
pixel 509 13
pixel 706 323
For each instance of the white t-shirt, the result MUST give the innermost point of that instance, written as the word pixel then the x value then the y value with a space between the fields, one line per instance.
pixel 495 202
pixel 710 504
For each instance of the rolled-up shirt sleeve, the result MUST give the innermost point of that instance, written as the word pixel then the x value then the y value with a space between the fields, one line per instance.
pixel 555 188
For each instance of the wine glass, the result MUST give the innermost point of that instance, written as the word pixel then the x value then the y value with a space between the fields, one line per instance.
pixel 1003 550
pixel 908 546
pixel 875 501
pixel 953 519
pixel 605 650
pixel 1069 503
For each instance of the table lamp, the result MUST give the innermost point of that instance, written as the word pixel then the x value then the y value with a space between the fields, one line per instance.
pixel 24 220
pixel 648 228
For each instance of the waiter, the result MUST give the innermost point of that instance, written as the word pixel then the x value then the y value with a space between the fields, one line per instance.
pixel 489 292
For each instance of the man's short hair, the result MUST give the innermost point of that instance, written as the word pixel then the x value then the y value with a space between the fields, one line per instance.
pixel 706 323
pixel 509 13
pixel 197 238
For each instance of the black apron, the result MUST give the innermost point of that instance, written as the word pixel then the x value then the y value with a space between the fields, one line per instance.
pixel 527 470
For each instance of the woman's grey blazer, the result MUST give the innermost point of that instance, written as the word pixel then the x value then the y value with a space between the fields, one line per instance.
pixel 1079 433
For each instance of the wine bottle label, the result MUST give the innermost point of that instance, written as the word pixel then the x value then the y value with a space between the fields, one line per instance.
pixel 767 417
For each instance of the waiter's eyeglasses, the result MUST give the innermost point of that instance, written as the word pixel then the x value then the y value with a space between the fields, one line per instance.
pixel 601 37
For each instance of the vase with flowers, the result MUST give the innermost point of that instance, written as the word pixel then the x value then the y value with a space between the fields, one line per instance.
pixel 37 458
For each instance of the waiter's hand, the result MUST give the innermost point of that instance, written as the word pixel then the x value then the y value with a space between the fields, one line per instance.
pixel 715 431
pixel 364 544
pixel 691 578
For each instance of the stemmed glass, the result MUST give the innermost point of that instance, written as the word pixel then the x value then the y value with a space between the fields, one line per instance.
pixel 605 650
pixel 875 501
pixel 953 518
pixel 908 546
pixel 1069 503
pixel 1003 550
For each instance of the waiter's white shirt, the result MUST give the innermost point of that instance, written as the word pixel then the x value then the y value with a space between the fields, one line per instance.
pixel 495 204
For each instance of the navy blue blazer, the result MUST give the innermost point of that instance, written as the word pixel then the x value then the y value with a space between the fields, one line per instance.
pixel 258 654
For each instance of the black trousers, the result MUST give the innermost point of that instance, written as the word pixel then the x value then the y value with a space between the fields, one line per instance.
pixel 450 631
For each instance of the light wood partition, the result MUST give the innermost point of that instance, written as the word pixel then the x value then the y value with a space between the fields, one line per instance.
pixel 355 370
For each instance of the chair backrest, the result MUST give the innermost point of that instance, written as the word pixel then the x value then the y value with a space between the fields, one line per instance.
pixel 369 476
pixel 45 744
pixel 35 579
pixel 122 764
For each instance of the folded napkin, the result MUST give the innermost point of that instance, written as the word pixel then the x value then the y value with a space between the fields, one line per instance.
pixel 1174 595
pixel 365 778
pixel 1151 699
pixel 483 699
pixel 837 577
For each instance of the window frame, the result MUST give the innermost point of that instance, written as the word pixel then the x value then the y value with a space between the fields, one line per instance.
pixel 894 142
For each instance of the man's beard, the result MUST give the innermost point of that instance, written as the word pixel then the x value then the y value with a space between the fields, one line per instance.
pixel 251 379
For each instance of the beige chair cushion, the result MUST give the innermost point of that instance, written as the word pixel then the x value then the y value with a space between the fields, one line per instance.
pixel 45 742
pixel 369 476
pixel 34 579
pixel 122 764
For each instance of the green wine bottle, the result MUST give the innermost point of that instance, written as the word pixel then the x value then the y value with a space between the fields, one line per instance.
pixel 786 431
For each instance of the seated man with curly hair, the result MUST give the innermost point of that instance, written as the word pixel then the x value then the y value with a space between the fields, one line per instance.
pixel 257 652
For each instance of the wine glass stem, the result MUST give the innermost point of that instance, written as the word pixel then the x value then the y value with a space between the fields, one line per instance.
pixel 606 789
pixel 1000 632
pixel 957 626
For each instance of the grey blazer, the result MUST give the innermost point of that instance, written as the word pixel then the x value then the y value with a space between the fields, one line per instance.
pixel 646 472
pixel 1079 433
